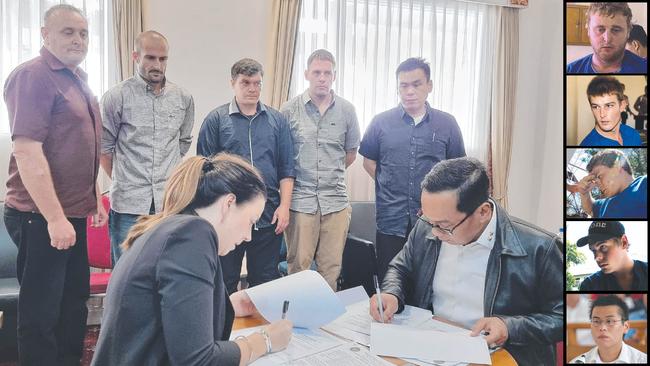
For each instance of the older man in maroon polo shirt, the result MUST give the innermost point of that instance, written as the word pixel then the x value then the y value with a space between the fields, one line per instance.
pixel 55 127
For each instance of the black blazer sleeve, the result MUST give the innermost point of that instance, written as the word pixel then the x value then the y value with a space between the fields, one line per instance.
pixel 186 273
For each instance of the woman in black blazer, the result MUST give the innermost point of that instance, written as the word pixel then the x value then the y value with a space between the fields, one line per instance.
pixel 166 303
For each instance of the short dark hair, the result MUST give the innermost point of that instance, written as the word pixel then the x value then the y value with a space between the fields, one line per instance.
pixel 638 34
pixel 609 300
pixel 414 63
pixel 246 66
pixel 466 176
pixel 323 55
pixel 605 85
pixel 608 158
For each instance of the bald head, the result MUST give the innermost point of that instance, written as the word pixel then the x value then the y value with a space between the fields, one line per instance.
pixel 52 12
pixel 150 56
pixel 150 37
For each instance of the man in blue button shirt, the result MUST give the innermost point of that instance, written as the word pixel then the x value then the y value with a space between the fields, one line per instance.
pixel 618 271
pixel 261 135
pixel 608 28
pixel 607 100
pixel 400 147
pixel 623 195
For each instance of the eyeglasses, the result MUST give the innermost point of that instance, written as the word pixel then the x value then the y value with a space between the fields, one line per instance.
pixel 608 322
pixel 438 228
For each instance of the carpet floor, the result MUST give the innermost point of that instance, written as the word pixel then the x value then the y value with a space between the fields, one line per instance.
pixel 92 334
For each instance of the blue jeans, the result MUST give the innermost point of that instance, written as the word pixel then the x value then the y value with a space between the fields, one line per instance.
pixel 119 225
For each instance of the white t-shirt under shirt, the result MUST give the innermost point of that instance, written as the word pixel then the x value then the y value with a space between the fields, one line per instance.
pixel 459 280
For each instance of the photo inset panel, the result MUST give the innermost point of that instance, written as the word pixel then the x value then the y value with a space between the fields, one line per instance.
pixel 607 255
pixel 600 38
pixel 606 183
pixel 606 110
pixel 606 328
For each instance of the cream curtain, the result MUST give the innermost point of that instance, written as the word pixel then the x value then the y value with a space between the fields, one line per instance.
pixel 504 90
pixel 370 38
pixel 282 41
pixel 127 24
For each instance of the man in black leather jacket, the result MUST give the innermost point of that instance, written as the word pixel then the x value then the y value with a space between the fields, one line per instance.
pixel 470 262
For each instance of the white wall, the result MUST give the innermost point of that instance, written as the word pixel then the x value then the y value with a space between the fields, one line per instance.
pixel 206 39
pixel 535 181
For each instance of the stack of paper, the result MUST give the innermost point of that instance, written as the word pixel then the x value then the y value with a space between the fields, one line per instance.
pixel 304 342
pixel 355 323
pixel 427 345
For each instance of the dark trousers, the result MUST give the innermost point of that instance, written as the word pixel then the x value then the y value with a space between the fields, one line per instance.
pixel 54 287
pixel 262 258
pixel 639 122
pixel 387 247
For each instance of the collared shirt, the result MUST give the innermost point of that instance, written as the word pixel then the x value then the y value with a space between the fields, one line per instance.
pixel 147 135
pixel 601 281
pixel 320 143
pixel 628 355
pixel 632 64
pixel 405 153
pixel 631 203
pixel 629 135
pixel 263 139
pixel 459 281
pixel 49 103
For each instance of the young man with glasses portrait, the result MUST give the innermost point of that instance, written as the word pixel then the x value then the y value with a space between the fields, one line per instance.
pixel 618 271
pixel 609 322
pixel 471 262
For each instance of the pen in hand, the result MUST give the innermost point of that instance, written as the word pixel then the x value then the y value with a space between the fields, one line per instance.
pixel 379 303
pixel 285 308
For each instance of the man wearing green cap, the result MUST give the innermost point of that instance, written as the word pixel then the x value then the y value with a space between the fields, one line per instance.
pixel 618 271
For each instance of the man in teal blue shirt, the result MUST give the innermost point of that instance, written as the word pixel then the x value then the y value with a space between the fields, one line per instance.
pixel 607 101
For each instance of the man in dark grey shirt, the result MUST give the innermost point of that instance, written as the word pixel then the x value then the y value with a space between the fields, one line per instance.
pixel 147 125
pixel 325 135
pixel 261 135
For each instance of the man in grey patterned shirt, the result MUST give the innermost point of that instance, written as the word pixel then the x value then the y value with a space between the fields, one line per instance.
pixel 326 136
pixel 147 125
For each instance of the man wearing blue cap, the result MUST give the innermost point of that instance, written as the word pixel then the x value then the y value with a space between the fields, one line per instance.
pixel 618 271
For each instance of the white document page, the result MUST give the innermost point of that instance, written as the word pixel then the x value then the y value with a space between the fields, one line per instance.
pixel 312 303
pixel 427 345
pixel 348 354
pixel 435 363
pixel 352 295
pixel 433 324
pixel 355 323
pixel 304 342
